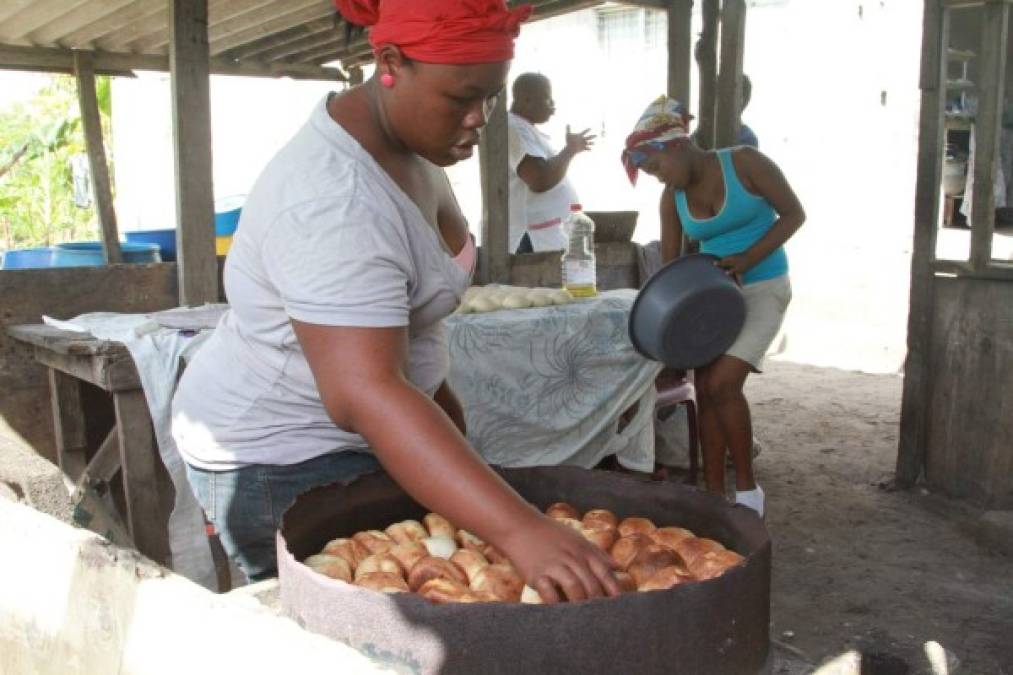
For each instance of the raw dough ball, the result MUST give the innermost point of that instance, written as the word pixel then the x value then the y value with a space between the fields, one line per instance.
pixel 516 301
pixel 540 297
pixel 483 304
pixel 561 297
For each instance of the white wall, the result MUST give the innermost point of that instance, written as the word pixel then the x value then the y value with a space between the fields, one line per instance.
pixel 251 119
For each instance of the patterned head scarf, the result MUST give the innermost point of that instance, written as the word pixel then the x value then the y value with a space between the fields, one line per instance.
pixel 456 32
pixel 663 121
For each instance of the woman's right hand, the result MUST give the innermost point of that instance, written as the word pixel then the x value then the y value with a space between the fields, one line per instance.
pixel 559 563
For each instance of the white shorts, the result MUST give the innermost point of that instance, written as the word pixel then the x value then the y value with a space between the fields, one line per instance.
pixel 766 303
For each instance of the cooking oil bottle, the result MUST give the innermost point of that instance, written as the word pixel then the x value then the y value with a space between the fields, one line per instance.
pixel 579 275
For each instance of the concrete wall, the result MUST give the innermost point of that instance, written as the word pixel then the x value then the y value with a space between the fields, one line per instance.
pixel 71 603
pixel 970 435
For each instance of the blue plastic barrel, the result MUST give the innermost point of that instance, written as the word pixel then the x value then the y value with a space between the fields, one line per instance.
pixel 89 253
pixel 166 240
pixel 27 258
pixel 227 212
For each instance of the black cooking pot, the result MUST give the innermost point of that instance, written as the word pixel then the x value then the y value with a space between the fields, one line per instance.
pixel 688 313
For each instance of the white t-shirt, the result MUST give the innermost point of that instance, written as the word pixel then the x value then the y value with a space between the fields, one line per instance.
pixel 540 214
pixel 325 237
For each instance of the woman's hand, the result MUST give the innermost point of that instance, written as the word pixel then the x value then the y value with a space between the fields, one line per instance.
pixel 559 563
pixel 735 266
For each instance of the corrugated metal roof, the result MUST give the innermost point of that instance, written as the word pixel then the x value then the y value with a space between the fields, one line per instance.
pixel 245 36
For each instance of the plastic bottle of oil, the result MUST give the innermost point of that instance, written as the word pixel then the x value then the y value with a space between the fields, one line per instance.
pixel 579 275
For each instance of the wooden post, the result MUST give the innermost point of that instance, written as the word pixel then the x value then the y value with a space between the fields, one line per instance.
pixel 68 421
pixel 707 60
pixel 91 123
pixel 191 124
pixel 138 465
pixel 988 129
pixel 917 376
pixel 493 164
pixel 680 57
pixel 729 98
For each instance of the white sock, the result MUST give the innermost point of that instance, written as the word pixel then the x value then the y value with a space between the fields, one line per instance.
pixel 751 498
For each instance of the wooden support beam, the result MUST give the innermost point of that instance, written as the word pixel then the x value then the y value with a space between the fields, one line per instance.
pixel 493 165
pixel 32 17
pixel 988 128
pixel 729 97
pixel 917 371
pixel 997 271
pixel 648 4
pixel 551 9
pixel 42 59
pixel 68 420
pixel 116 40
pixel 155 36
pixel 132 14
pixel 257 47
pixel 291 18
pixel 11 8
pixel 191 123
pixel 77 18
pixel 252 17
pixel 707 60
pixel 325 52
pixel 963 4
pixel 139 466
pixel 300 45
pixel 680 52
pixel 91 122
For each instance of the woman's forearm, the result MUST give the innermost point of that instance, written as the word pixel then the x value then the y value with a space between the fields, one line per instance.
pixel 433 462
pixel 779 233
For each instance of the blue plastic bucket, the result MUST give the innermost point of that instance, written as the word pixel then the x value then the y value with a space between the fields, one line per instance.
pixel 227 212
pixel 89 253
pixel 166 240
pixel 27 258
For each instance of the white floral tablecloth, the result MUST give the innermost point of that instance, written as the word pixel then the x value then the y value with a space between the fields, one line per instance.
pixel 547 385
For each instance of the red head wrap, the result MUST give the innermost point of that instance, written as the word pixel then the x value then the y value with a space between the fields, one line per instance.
pixel 440 31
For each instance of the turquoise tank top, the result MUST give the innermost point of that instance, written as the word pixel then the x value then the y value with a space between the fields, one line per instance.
pixel 742 221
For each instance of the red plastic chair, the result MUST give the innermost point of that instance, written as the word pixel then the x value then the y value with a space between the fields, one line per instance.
pixel 674 391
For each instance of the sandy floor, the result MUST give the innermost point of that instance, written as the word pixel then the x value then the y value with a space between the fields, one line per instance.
pixel 858 566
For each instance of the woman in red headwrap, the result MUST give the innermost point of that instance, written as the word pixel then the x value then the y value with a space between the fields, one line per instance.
pixel 350 252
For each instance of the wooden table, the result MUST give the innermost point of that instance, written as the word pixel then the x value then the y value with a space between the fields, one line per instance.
pixel 129 449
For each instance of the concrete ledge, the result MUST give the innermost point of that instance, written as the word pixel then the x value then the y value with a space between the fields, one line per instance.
pixel 27 477
pixel 71 602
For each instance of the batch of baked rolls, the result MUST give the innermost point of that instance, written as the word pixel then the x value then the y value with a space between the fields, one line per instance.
pixel 444 564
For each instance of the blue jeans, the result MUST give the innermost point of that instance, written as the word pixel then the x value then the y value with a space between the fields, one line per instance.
pixel 246 505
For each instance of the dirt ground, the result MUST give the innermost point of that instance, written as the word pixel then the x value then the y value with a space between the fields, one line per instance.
pixel 856 565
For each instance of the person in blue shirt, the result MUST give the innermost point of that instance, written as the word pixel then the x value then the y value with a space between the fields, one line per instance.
pixel 739 206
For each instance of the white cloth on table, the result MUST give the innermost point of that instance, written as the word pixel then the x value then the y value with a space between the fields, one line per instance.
pixel 158 354
pixel 545 386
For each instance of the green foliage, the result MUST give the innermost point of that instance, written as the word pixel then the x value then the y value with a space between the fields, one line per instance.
pixel 37 194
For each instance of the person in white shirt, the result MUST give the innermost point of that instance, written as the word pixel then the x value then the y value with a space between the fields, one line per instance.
pixel 540 193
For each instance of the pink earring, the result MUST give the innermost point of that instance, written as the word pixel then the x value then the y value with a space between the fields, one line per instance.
pixel 387 80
